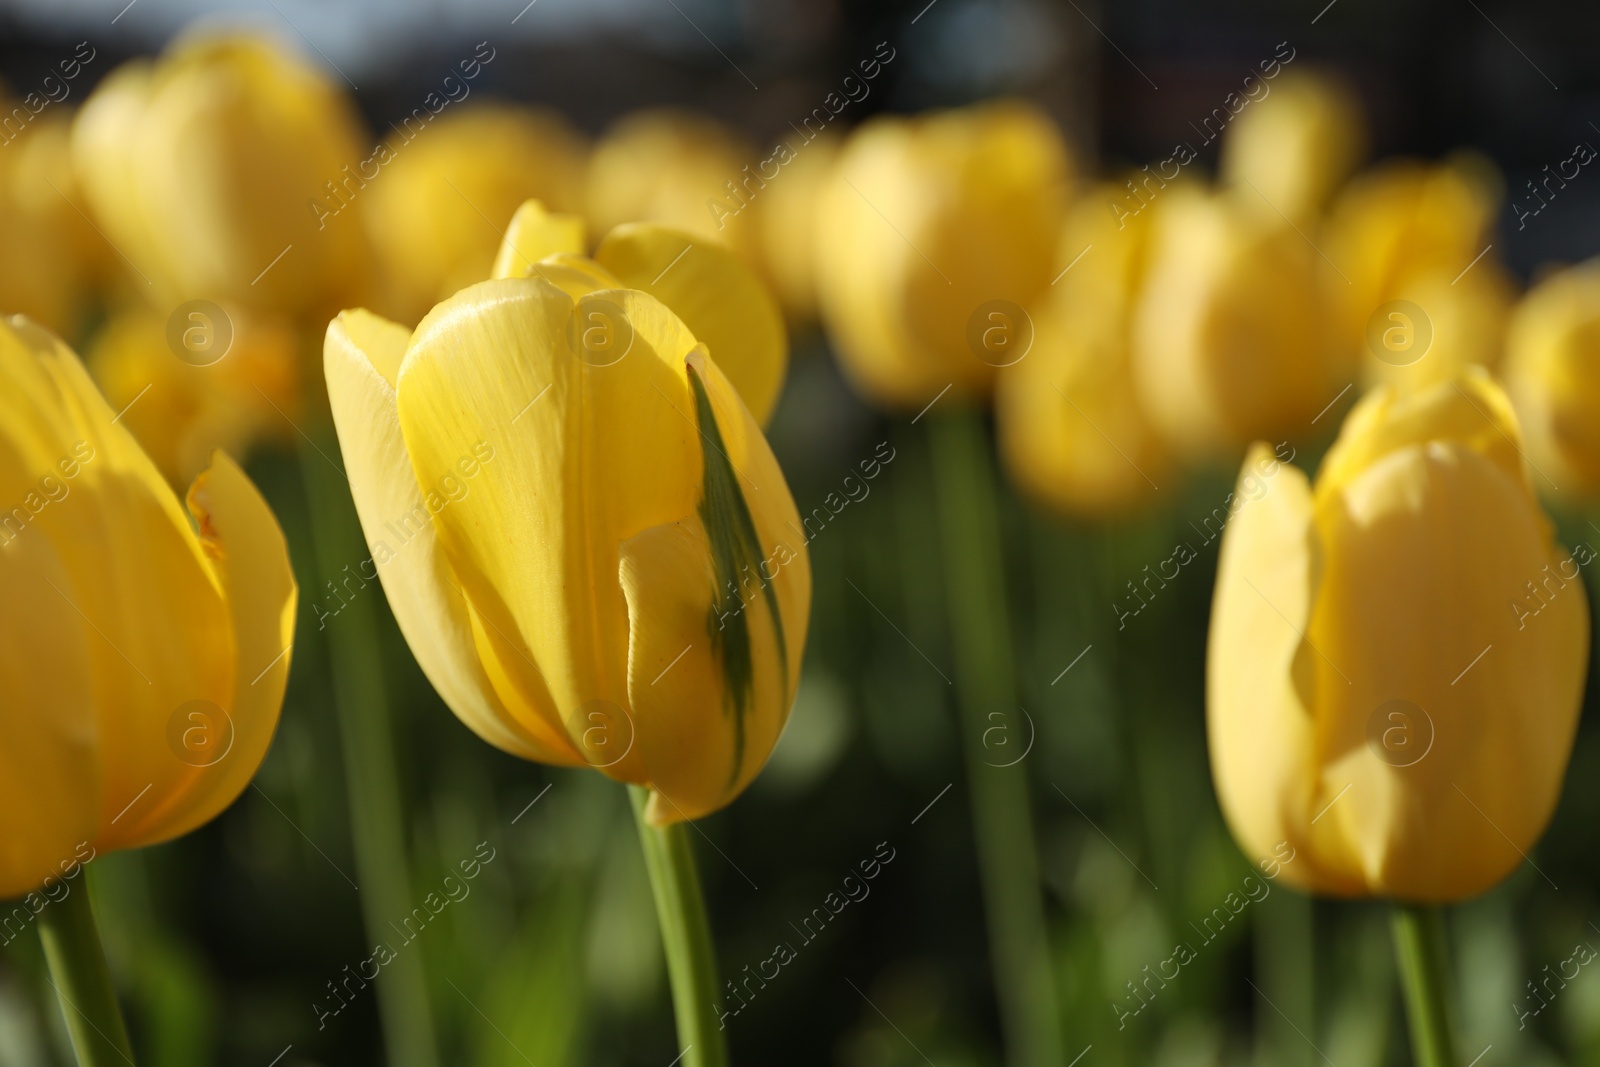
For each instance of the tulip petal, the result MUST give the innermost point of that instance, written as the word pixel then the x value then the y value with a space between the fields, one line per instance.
pixel 535 233
pixel 134 568
pixel 716 294
pixel 1443 589
pixel 250 561
pixel 1260 677
pixel 737 618
pixel 588 451
pixel 362 358
pixel 575 275
pixel 47 734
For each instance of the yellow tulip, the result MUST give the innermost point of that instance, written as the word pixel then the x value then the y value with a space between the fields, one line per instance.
pixel 1397 655
pixel 674 167
pixel 582 531
pixel 1415 290
pixel 1297 144
pixel 1071 428
pixel 145 676
pixel 1553 374
pixel 205 169
pixel 1229 340
pixel 927 227
pixel 786 215
pixel 435 210
pixel 236 382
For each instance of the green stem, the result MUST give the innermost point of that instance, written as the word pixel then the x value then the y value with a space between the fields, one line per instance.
pixel 986 687
pixel 78 972
pixel 1419 947
pixel 367 741
pixel 686 935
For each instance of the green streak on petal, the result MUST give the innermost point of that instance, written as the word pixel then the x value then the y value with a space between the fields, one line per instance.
pixel 735 561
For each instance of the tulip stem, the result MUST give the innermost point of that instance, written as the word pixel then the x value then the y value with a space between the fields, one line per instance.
pixel 1008 861
pixel 78 969
pixel 1419 946
pixel 686 935
pixel 372 781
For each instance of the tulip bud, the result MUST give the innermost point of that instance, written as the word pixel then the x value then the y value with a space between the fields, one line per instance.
pixel 1397 655
pixel 145 676
pixel 199 379
pixel 935 233
pixel 1229 340
pixel 580 528
pixel 1071 428
pixel 428 208
pixel 49 254
pixel 787 217
pixel 219 172
pixel 1296 143
pixel 1553 375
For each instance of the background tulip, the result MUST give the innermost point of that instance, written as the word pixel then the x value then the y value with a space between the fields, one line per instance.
pixel 1072 430
pixel 1228 337
pixel 435 209
pixel 146 675
pixel 675 167
pixel 1414 289
pixel 1552 372
pixel 923 222
pixel 208 165
pixel 1296 144
pixel 1396 655
pixel 617 579
pixel 50 256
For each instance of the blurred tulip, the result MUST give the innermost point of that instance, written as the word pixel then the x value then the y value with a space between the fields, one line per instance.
pixel 927 226
pixel 1416 293
pixel 1229 335
pixel 1553 375
pixel 580 527
pixel 49 254
pixel 1397 656
pixel 435 212
pixel 1071 428
pixel 787 217
pixel 1296 145
pixel 677 168
pixel 206 169
pixel 145 676
pixel 182 407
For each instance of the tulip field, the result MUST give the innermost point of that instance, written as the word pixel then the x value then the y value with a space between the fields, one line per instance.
pixel 802 533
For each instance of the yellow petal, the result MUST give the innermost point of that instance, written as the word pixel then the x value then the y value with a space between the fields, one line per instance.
pixel 1260 679
pixel 575 275
pixel 535 233
pixel 160 634
pixel 589 450
pixel 722 301
pixel 1428 551
pixel 718 606
pixel 47 731
pixel 249 559
pixel 362 358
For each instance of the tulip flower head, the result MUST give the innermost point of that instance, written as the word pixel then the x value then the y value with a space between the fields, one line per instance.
pixel 1553 374
pixel 1416 292
pixel 1397 654
pixel 582 531
pixel 204 168
pixel 1229 341
pixel 146 654
pixel 1295 146
pixel 935 235
pixel 1072 430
